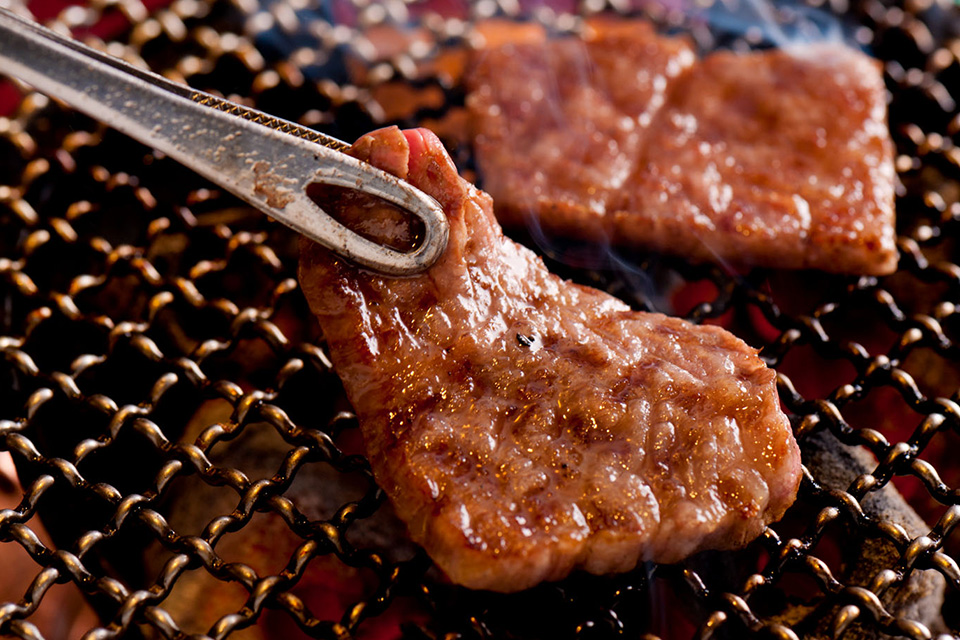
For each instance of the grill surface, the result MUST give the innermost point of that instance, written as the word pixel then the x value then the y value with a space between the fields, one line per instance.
pixel 150 321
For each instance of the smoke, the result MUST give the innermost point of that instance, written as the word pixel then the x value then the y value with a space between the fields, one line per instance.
pixel 762 24
pixel 643 280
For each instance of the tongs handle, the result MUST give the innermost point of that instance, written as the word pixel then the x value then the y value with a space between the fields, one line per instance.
pixel 266 161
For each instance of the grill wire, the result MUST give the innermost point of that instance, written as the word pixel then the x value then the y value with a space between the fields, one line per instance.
pixel 149 322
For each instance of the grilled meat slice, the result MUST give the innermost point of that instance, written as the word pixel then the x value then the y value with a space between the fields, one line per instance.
pixel 782 157
pixel 777 158
pixel 524 426
pixel 559 125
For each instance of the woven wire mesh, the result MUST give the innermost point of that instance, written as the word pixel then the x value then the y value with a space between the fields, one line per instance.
pixel 178 428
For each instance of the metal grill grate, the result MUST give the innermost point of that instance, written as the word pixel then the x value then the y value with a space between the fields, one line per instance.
pixel 177 426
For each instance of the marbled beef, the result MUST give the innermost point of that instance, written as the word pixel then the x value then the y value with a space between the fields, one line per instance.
pixel 524 426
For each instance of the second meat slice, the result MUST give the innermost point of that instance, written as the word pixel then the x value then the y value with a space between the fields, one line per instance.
pixel 777 158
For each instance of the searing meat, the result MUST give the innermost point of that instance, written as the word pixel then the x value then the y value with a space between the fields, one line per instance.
pixel 560 124
pixel 782 157
pixel 524 426
pixel 779 158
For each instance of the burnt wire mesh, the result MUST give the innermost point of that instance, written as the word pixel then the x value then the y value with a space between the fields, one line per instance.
pixel 179 431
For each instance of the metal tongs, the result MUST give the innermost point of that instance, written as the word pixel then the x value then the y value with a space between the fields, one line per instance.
pixel 266 161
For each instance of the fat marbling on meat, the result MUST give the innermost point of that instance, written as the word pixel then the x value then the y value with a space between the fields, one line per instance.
pixel 524 426
pixel 778 158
